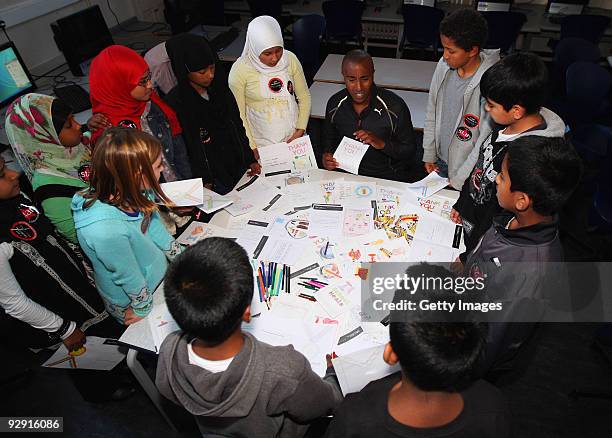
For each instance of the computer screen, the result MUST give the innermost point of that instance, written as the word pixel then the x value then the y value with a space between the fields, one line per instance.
pixel 430 3
pixel 81 36
pixel 15 78
pixel 493 5
pixel 566 7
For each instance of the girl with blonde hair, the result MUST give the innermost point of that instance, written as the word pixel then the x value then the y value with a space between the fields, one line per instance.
pixel 118 224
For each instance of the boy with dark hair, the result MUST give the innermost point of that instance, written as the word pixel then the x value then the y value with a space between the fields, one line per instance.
pixel 514 90
pixel 234 384
pixel 517 253
pixel 454 111
pixel 433 395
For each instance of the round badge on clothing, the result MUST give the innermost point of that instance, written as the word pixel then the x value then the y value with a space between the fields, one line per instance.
pixel 275 85
pixel 127 124
pixel 23 231
pixel 471 121
pixel 290 87
pixel 84 172
pixel 463 133
pixel 29 212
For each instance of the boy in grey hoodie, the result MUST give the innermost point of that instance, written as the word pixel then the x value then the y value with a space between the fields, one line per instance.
pixel 234 384
pixel 454 111
pixel 514 90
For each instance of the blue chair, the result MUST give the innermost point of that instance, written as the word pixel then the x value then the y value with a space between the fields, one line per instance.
pixel 588 27
pixel 273 8
pixel 343 21
pixel 587 87
pixel 307 34
pixel 504 28
pixel 601 214
pixel 421 28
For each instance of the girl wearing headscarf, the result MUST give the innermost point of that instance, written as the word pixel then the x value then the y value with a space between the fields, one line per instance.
pixel 269 86
pixel 121 89
pixel 48 145
pixel 216 142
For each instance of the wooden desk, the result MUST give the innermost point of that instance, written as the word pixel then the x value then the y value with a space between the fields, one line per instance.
pixel 401 74
pixel 320 92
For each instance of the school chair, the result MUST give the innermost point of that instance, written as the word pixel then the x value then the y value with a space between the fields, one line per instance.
pixel 504 28
pixel 307 34
pixel 588 27
pixel 568 51
pixel 601 213
pixel 421 28
pixel 343 21
pixel 587 87
pixel 273 8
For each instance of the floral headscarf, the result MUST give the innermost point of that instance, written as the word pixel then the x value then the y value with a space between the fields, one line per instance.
pixel 35 143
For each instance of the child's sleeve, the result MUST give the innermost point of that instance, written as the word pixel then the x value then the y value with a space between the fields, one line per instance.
pixel 162 239
pixel 430 154
pixel 113 249
pixel 237 83
pixel 313 397
pixel 59 213
pixel 302 93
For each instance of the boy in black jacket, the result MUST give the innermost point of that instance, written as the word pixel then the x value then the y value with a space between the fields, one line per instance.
pixel 375 116
pixel 517 254
pixel 434 395
pixel 514 89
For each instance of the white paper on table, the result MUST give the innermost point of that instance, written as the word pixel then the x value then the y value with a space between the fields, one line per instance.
pixel 427 251
pixel 356 370
pixel 197 231
pixel 357 193
pixel 326 221
pixel 329 191
pixel 302 195
pixel 295 156
pixel 349 154
pixel 435 229
pixel 254 237
pixel 429 185
pixel 161 324
pixel 97 356
pixel 185 193
pixel 291 227
pixel 251 196
pixel 437 204
pixel 313 340
pixel 357 221
pixel 336 298
pixel 212 201
pixel 283 250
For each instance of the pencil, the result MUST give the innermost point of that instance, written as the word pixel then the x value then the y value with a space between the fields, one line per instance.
pixel 288 279
pixel 307 297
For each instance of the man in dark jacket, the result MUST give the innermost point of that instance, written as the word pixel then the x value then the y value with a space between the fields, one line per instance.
pixel 375 116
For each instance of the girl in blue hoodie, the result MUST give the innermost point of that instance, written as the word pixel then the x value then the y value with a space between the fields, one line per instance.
pixel 118 225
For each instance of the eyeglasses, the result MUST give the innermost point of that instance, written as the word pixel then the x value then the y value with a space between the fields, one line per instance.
pixel 145 79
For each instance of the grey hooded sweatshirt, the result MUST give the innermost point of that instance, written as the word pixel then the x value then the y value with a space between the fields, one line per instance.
pixel 266 391
pixel 469 124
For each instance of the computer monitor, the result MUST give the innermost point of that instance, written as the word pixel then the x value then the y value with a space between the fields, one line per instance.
pixel 15 79
pixel 493 5
pixel 430 3
pixel 81 36
pixel 566 7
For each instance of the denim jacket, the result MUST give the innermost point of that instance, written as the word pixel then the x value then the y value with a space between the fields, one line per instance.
pixel 175 152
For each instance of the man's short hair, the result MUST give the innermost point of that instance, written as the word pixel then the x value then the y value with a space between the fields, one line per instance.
pixel 208 288
pixel 357 56
pixel 547 169
pixel 440 355
pixel 518 79
pixel 466 27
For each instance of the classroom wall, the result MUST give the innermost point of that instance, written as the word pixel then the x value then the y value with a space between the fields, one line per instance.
pixel 34 38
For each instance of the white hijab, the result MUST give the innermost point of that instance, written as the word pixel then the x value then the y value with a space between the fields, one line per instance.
pixel 263 33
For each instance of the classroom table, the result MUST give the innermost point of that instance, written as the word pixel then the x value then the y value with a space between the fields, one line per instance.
pixel 320 92
pixel 138 336
pixel 401 74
